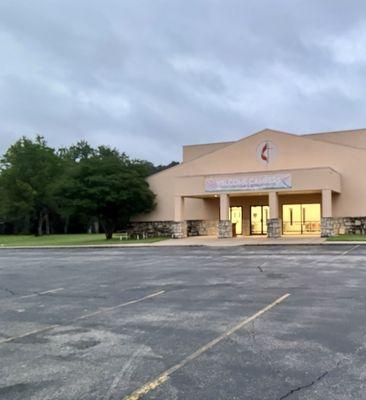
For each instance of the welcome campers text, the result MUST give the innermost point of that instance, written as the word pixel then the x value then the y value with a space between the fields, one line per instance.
pixel 243 182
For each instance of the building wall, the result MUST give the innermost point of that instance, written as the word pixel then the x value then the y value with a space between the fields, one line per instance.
pixel 294 152
pixel 195 208
pixel 355 138
pixel 194 151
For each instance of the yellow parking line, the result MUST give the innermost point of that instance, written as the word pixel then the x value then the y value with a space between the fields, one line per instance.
pixel 151 385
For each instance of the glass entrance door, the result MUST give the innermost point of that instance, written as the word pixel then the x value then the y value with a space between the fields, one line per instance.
pixel 258 220
pixel 301 219
pixel 236 217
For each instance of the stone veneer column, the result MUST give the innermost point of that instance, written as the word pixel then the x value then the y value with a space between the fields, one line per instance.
pixel 179 226
pixel 224 226
pixel 327 227
pixel 224 229
pixel 179 230
pixel 274 228
pixel 273 223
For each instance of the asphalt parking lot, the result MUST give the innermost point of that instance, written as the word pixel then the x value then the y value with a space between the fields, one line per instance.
pixel 253 322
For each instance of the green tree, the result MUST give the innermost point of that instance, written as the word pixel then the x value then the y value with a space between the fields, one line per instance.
pixel 153 169
pixel 28 169
pixel 108 185
pixel 65 190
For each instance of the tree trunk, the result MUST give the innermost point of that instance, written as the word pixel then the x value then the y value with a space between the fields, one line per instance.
pixel 47 222
pixel 66 225
pixel 27 224
pixel 96 226
pixel 40 225
pixel 108 234
pixel 108 227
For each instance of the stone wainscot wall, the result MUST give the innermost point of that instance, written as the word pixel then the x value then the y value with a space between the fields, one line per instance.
pixel 199 227
pixel 174 229
pixel 344 225
pixel 329 227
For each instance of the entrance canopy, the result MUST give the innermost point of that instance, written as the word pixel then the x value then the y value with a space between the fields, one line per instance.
pixel 266 194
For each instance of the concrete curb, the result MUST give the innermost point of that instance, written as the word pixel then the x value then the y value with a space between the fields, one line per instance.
pixel 353 242
pixel 83 246
pixel 148 245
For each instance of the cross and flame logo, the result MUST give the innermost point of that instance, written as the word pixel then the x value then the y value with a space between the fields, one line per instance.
pixel 266 152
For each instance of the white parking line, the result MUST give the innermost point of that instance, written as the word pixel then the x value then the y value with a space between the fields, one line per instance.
pixel 344 253
pixel 351 249
pixel 11 339
pixel 148 387
pixel 40 293
pixel 102 311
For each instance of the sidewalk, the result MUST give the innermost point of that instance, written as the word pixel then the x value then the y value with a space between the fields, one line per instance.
pixel 210 241
pixel 240 241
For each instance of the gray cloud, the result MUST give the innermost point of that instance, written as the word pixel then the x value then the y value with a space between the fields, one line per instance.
pixel 148 76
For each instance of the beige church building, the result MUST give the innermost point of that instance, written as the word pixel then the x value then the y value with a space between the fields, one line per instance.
pixel 269 183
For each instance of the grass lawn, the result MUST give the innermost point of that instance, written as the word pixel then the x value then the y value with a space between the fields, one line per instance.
pixel 68 240
pixel 347 238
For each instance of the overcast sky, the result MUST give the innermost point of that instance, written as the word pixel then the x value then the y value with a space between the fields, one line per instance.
pixel 147 76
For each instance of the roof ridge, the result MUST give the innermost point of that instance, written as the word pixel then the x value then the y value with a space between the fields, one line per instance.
pixel 341 131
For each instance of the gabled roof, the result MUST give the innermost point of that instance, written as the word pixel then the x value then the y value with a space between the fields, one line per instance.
pixel 294 151
pixel 322 136
pixel 243 151
pixel 351 138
